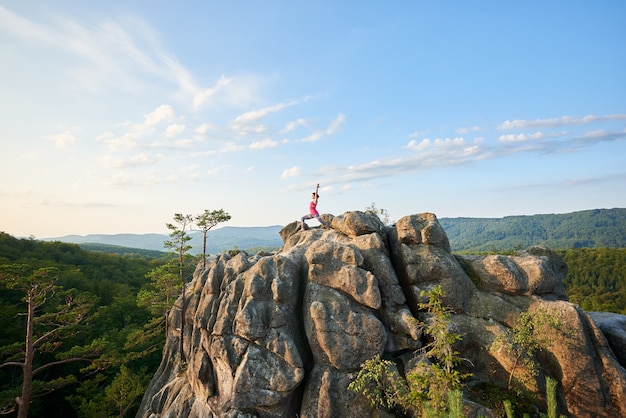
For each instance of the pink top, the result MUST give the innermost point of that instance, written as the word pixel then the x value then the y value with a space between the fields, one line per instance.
pixel 313 208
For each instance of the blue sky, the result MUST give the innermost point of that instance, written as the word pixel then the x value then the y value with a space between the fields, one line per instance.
pixel 116 115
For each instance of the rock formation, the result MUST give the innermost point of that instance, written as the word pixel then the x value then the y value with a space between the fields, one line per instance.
pixel 283 335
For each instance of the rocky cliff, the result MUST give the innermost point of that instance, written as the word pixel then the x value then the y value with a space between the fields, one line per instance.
pixel 283 335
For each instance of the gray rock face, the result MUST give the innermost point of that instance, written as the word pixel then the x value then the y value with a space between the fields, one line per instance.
pixel 613 327
pixel 284 335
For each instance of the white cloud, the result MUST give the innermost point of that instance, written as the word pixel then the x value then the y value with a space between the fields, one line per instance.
pixel 23 28
pixel 465 131
pixel 173 130
pixel 554 122
pixel 266 143
pixel 204 128
pixel 188 168
pixel 291 172
pixel 216 170
pixel 438 143
pixel 255 115
pixel 315 136
pixel 135 161
pixel 202 96
pixel 520 137
pixel 242 130
pixel 160 114
pixel 185 143
pixel 332 128
pixel 130 140
pixel 293 125
pixel 416 134
pixel 63 139
pixel 336 124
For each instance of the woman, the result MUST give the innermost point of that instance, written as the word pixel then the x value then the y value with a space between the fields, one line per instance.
pixel 313 213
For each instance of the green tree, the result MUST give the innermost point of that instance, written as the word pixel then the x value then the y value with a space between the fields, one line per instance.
pixel 125 389
pixel 116 399
pixel 178 243
pixel 434 383
pixel 382 214
pixel 207 220
pixel 381 384
pixel 528 336
pixel 431 382
pixel 52 314
pixel 162 291
pixel 157 297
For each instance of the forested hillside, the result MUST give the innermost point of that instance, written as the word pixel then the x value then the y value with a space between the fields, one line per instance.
pixel 96 342
pixel 598 228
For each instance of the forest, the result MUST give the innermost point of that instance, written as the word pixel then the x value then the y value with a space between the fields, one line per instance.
pixel 98 361
pixel 117 341
pixel 597 228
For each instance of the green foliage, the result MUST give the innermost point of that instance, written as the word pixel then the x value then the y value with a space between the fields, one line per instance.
pixel 433 384
pixel 508 408
pixel 381 384
pixel 125 251
pixel 551 386
pixel 119 398
pixel 438 328
pixel 529 334
pixel 115 335
pixel 455 404
pixel 179 239
pixel 596 278
pixel 551 397
pixel 125 389
pixel 382 214
pixel 430 383
pixel 599 228
pixel 53 315
pixel 207 220
pixel 161 292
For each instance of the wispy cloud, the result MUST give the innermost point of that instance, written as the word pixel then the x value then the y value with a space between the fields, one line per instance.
pixel 290 126
pixel 520 137
pixel 465 131
pixel 138 160
pixel 294 171
pixel 119 53
pixel 62 139
pixel 442 152
pixel 258 114
pixel 203 95
pixel 266 143
pixel 556 122
pixel 174 130
pixel 130 139
pixel 331 129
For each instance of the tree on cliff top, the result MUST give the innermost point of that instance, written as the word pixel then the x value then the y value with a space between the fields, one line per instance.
pixel 178 243
pixel 207 220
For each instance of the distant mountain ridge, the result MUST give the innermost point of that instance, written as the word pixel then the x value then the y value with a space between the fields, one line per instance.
pixel 595 228
pixel 218 240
